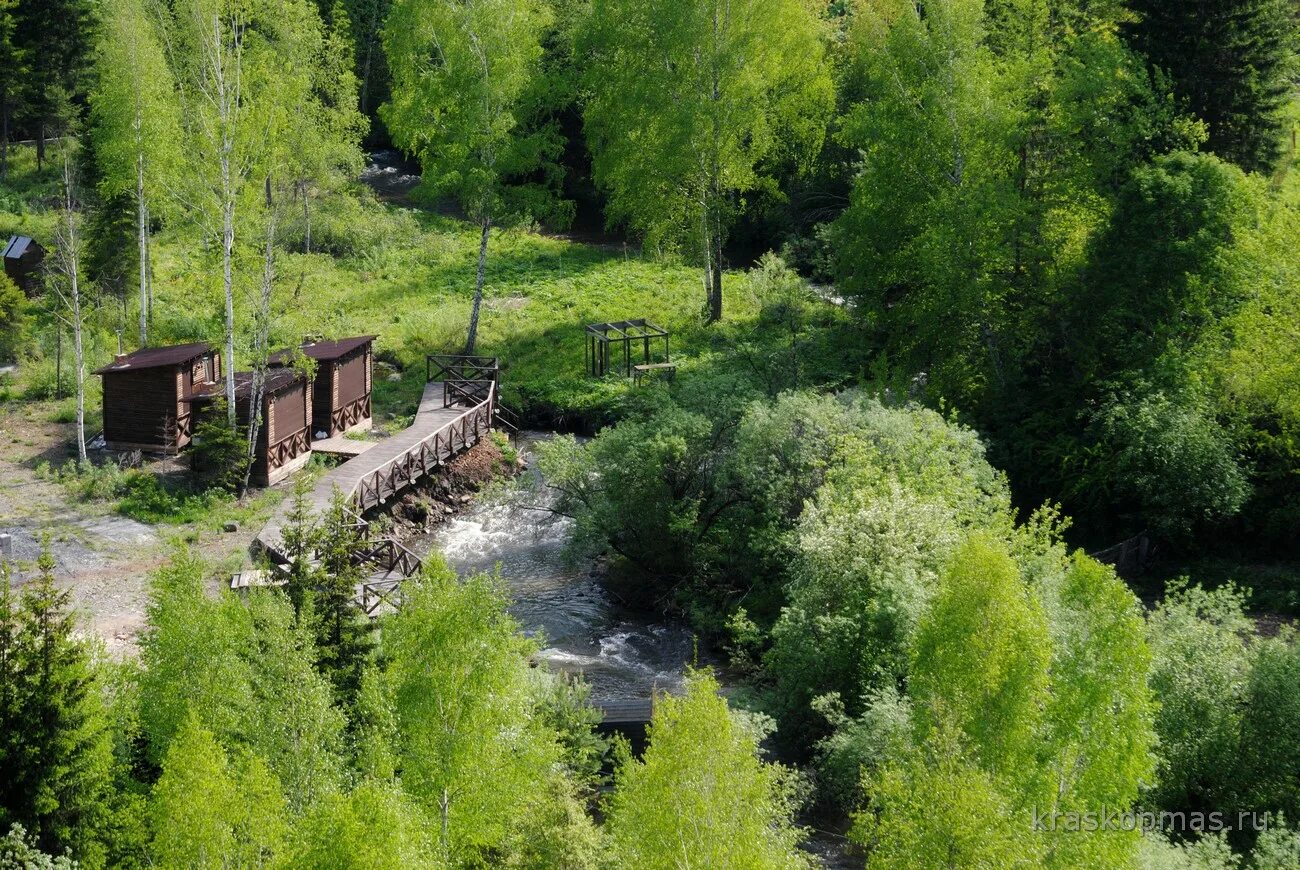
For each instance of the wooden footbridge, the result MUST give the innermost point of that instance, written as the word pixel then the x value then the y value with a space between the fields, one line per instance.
pixel 458 409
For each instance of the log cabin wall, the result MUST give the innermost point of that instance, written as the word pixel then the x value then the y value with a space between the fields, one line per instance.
pixel 144 410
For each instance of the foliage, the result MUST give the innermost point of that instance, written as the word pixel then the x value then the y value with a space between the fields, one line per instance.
pixel 464 108
pixel 1198 674
pixel 219 452
pixel 690 105
pixel 374 825
pixel 344 636
pixel 191 652
pixel 14 319
pixel 1268 761
pixel 701 795
pixel 1171 461
pixel 56 753
pixel 240 818
pixel 941 811
pixel 475 752
pixel 1237 81
pixel 18 853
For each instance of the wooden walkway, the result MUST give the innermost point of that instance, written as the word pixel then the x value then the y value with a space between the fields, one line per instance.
pixel 390 466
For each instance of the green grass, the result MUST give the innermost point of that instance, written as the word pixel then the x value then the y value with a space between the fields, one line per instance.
pixel 414 289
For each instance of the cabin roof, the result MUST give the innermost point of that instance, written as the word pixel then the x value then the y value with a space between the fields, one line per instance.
pixel 324 350
pixel 276 380
pixel 156 357
pixel 18 246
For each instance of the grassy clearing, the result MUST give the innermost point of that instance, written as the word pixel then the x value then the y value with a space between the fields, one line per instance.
pixel 414 289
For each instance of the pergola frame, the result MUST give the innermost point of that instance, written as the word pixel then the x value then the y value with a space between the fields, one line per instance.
pixel 601 335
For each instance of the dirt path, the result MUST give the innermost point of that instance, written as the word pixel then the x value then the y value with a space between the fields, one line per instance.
pixel 104 558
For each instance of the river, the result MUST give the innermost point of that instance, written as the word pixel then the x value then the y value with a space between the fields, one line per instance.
pixel 620 652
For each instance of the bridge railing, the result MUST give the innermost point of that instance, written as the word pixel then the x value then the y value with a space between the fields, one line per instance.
pixel 426 454
pixel 461 367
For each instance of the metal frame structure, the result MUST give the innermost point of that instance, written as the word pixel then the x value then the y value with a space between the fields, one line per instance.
pixel 599 337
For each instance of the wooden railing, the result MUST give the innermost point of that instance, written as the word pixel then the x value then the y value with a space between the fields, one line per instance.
pixel 422 457
pixel 287 449
pixel 458 393
pixel 460 367
pixel 350 414
pixel 388 556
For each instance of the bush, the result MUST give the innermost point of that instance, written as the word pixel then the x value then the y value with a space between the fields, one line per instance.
pixel 219 453
pixel 1174 466
pixel 14 319
pixel 144 498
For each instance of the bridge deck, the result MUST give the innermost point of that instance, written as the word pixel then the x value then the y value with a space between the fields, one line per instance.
pixel 435 436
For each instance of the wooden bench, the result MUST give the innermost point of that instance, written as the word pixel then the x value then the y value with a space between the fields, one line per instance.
pixel 640 371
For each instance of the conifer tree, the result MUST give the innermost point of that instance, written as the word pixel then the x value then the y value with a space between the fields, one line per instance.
pixel 57 780
pixel 1231 61
pixel 344 635
pixel 55 38
pixel 13 61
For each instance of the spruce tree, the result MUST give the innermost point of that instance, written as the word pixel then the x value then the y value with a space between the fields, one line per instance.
pixel 59 774
pixel 55 37
pixel 1230 61
pixel 344 636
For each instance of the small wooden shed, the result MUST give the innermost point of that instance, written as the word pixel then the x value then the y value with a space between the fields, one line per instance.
pixel 148 395
pixel 22 259
pixel 284 436
pixel 341 392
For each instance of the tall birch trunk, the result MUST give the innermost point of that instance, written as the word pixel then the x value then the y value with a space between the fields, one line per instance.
pixel 478 285
pixel 261 339
pixel 69 255
pixel 142 239
pixel 228 281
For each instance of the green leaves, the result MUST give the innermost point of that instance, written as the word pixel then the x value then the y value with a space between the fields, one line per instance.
pixel 460 75
pixel 692 103
pixel 701 796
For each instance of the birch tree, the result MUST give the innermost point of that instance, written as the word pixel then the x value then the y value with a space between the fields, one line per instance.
pixel 66 282
pixel 691 104
pixel 135 123
pixel 462 75
pixel 244 74
pixel 208 54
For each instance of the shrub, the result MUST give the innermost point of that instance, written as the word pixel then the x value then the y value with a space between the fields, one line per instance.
pixel 220 454
pixel 14 320
pixel 1172 462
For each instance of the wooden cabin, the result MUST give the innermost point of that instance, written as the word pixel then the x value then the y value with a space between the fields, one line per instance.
pixel 22 263
pixel 148 395
pixel 284 436
pixel 341 392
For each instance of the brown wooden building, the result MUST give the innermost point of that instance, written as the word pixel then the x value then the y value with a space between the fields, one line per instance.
pixel 148 395
pixel 284 436
pixel 341 393
pixel 22 263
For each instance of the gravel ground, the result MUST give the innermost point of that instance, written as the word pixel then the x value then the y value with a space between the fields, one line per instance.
pixel 103 558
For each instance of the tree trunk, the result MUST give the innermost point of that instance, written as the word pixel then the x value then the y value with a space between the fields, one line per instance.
pixel 708 255
pixel 79 359
pixel 715 292
pixel 478 286
pixel 58 361
pixel 142 233
pixel 40 146
pixel 261 337
pixel 444 807
pixel 306 216
pixel 228 283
